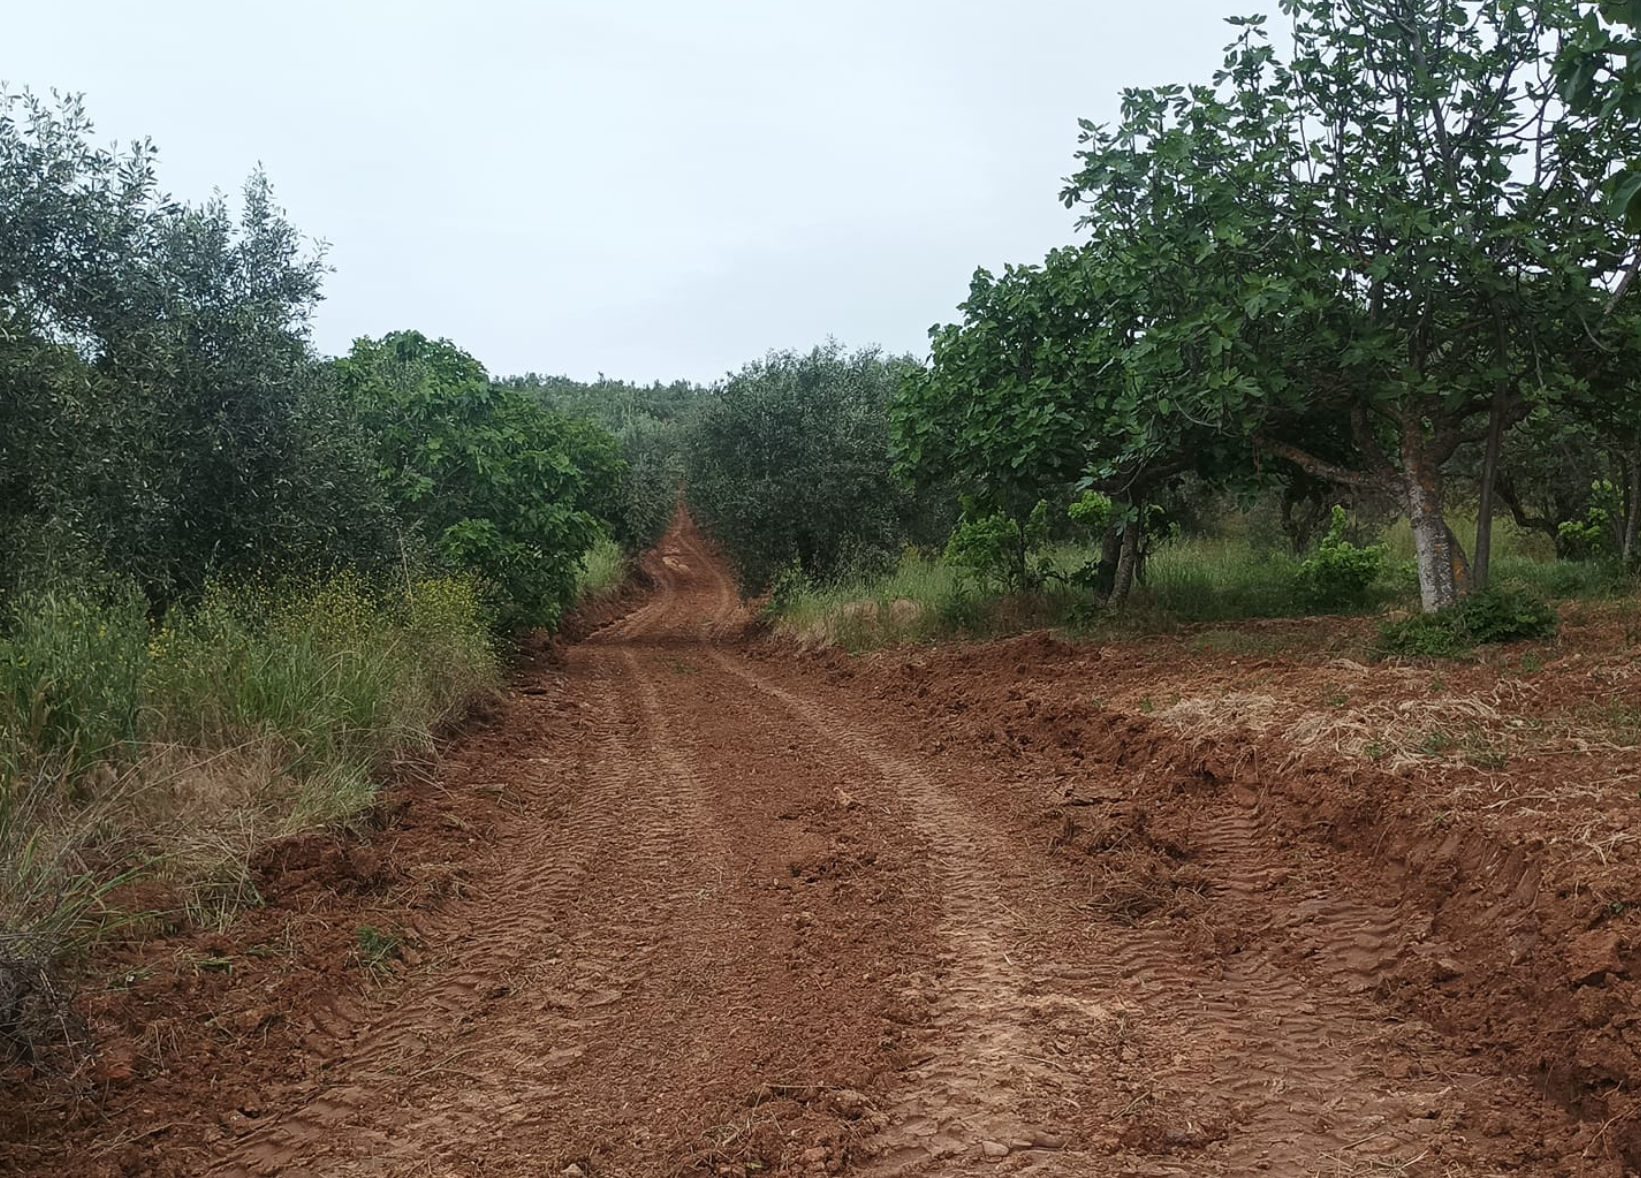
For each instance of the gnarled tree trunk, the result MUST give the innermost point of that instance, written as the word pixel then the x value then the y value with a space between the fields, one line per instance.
pixel 1436 551
pixel 1127 560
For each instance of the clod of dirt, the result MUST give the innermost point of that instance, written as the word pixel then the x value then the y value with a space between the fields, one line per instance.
pixel 1592 956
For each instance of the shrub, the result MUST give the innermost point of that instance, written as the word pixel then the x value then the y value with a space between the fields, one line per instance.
pixel 996 548
pixel 1490 616
pixel 1596 535
pixel 1339 574
pixel 500 487
pixel 1498 615
pixel 789 461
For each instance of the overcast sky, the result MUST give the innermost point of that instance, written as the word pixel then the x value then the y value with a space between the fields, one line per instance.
pixel 644 188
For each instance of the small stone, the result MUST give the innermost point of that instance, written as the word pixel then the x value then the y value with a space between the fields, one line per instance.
pixel 850 1103
pixel 572 1171
pixel 993 1149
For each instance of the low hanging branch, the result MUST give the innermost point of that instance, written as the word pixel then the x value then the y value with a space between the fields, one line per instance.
pixel 1312 465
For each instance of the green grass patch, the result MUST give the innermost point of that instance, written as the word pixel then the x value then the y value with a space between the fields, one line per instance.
pixel 1493 616
pixel 173 751
pixel 603 571
pixel 1187 581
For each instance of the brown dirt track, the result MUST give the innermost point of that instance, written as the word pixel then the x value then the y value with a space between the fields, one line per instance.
pixel 689 905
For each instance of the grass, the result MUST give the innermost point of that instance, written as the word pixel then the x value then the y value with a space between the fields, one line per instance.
pixel 1188 581
pixel 603 571
pixel 169 753
pixel 920 599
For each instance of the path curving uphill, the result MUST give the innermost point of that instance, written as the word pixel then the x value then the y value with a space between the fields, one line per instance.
pixel 734 919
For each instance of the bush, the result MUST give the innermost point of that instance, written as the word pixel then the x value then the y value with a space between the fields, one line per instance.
pixel 499 487
pixel 996 548
pixel 1498 615
pixel 1339 574
pixel 1490 616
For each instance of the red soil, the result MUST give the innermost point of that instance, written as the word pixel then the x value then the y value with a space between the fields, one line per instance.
pixel 686 905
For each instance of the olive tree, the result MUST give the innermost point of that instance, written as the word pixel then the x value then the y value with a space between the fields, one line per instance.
pixel 788 462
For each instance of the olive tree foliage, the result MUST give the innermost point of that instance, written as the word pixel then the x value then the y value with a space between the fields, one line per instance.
pixel 788 462
pixel 161 416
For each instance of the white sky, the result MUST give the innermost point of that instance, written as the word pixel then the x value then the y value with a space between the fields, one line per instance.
pixel 646 188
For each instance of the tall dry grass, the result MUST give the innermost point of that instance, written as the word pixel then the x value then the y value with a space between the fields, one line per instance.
pixel 171 752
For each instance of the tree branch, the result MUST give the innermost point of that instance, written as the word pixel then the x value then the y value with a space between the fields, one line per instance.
pixel 1313 465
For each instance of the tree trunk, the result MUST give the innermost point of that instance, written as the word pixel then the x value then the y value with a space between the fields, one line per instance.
pixel 1110 557
pixel 1126 560
pixel 1435 550
pixel 1489 477
pixel 1632 513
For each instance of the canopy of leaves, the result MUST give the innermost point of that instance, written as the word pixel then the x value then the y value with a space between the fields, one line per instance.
pixel 789 462
pixel 497 484
pixel 1350 260
pixel 160 413
pixel 649 423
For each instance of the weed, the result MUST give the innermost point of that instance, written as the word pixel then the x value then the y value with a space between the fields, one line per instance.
pixel 1339 574
pixel 1491 616
pixel 175 750
pixel 374 948
pixel 1436 742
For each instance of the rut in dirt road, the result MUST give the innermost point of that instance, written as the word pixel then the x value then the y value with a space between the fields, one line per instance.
pixel 737 921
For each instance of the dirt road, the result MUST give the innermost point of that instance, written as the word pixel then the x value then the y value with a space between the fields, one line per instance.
pixel 731 916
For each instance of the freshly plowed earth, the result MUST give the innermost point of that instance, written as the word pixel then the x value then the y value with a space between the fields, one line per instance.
pixel 691 907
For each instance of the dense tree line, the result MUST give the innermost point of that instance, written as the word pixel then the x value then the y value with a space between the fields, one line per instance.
pixel 164 418
pixel 1393 259
pixel 649 423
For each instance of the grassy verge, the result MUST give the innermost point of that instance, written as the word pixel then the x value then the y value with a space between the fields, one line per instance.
pixel 921 599
pixel 170 753
pixel 1187 581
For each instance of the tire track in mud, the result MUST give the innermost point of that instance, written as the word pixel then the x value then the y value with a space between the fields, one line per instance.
pixel 963 1103
pixel 534 990
pixel 958 1104
pixel 731 897
pixel 1265 1069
